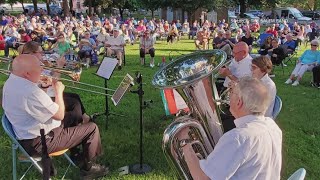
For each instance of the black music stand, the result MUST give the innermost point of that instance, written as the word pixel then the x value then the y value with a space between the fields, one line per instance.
pixel 105 71
pixel 139 168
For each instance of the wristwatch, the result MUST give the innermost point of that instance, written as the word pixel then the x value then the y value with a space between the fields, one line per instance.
pixel 184 142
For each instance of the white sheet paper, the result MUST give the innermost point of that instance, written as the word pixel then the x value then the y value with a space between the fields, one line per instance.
pixel 107 66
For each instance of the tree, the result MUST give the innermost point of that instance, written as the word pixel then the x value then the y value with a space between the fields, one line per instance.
pixel 66 9
pixel 125 4
pixel 35 6
pixel 151 5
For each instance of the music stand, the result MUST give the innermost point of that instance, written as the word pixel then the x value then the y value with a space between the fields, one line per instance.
pixel 139 168
pixel 105 71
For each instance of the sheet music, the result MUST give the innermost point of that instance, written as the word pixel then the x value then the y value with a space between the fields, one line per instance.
pixel 122 89
pixel 107 66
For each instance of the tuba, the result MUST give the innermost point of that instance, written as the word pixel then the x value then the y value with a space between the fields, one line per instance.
pixel 193 77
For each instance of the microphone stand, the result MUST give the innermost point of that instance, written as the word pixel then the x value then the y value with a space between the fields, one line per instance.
pixel 140 168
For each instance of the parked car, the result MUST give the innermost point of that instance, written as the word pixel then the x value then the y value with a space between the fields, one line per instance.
pixel 250 16
pixel 311 14
pixel 257 13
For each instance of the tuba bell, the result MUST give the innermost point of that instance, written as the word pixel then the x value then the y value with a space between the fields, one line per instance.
pixel 193 77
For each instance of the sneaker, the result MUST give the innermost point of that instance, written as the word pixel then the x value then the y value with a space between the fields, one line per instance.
pixel 296 83
pixel 94 172
pixel 151 65
pixel 272 75
pixel 289 81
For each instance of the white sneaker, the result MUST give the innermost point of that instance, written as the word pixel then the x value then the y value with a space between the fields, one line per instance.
pixel 289 81
pixel 151 65
pixel 296 83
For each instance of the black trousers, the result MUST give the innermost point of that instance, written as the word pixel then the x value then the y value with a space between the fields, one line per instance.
pixel 316 75
pixel 143 54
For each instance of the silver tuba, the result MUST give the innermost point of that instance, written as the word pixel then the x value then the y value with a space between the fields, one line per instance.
pixel 192 76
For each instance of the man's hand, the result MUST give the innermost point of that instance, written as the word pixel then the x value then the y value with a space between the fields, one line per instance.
pixel 45 81
pixel 107 45
pixel 225 72
pixel 183 134
pixel 58 87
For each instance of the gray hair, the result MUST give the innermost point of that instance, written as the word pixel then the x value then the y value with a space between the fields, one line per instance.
pixel 254 95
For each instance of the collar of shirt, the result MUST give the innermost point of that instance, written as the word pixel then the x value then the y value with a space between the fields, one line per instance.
pixel 242 121
pixel 265 78
pixel 20 79
pixel 248 57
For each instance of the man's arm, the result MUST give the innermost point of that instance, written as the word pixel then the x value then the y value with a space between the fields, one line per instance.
pixel 59 87
pixel 193 163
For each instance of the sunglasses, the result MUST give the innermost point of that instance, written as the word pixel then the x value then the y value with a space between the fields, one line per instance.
pixel 314 45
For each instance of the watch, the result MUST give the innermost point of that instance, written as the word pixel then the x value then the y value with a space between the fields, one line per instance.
pixel 184 142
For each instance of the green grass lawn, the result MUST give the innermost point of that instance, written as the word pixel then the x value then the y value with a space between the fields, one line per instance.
pixel 299 121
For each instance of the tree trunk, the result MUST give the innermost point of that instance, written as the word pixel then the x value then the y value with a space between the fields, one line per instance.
pixel 190 19
pixel 48 7
pixel 66 9
pixel 71 5
pixel 22 3
pixel 315 5
pixel 35 2
pixel 90 8
pixel 121 12
pixel 242 7
pixel 152 14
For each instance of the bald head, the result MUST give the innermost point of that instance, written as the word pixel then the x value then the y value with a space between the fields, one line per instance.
pixel 27 66
pixel 240 51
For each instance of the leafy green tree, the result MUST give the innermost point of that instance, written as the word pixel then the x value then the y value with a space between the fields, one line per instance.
pixel 151 5
pixel 125 4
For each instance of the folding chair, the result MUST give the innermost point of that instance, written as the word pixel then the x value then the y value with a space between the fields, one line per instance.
pixel 35 161
pixel 262 38
pixel 292 54
pixel 298 175
pixel 277 107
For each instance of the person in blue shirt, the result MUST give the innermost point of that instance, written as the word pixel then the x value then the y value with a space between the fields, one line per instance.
pixel 306 62
pixel 290 43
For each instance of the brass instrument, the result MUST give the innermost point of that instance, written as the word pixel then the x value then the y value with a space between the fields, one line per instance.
pixel 193 77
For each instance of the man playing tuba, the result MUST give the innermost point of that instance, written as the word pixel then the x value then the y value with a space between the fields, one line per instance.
pixel 252 150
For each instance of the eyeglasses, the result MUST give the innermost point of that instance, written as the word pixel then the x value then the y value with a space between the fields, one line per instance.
pixel 314 45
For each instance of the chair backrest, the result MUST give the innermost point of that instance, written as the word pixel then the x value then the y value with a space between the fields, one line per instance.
pixel 262 38
pixel 7 126
pixel 277 107
pixel 298 175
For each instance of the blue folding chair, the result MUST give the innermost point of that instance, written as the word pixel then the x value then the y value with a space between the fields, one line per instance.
pixel 35 161
pixel 277 107
pixel 262 38
pixel 298 175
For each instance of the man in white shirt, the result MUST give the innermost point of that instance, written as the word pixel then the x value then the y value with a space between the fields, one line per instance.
pixel 250 151
pixel 30 109
pixel 114 45
pixel 240 66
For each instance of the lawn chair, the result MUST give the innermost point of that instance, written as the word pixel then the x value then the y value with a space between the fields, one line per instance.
pixel 277 107
pixel 262 38
pixel 35 161
pixel 298 175
pixel 292 54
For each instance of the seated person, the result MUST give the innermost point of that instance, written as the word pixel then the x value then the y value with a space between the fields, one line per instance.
pixel 62 45
pixel 101 38
pixel 34 37
pixel 193 30
pixel 272 31
pixel 218 40
pixel 267 44
pixel 306 62
pixel 172 33
pixel 249 100
pixel 185 29
pixel 261 66
pixel 146 47
pixel 276 53
pixel 255 26
pixel 227 43
pixel 248 39
pixel 86 45
pixel 290 43
pixel 14 41
pixel 202 38
pixel 42 113
pixel 114 45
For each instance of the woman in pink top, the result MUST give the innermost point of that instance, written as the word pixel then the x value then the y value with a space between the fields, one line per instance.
pixel 141 28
